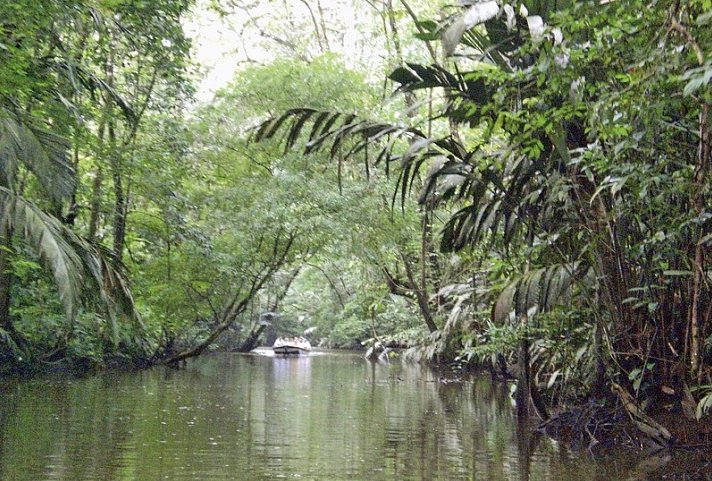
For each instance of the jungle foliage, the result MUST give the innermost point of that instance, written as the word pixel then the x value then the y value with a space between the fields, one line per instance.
pixel 585 195
pixel 534 196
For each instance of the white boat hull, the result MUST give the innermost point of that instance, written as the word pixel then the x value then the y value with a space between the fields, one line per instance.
pixel 291 346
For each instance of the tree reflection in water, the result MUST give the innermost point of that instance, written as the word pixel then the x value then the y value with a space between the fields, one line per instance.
pixel 250 417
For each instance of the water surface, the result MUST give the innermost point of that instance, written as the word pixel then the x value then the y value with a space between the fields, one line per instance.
pixel 326 416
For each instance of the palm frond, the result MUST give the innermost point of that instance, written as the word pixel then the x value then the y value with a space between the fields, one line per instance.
pixel 330 130
pixel 43 153
pixel 414 77
pixel 110 281
pixel 539 290
pixel 82 79
pixel 44 233
pixel 80 268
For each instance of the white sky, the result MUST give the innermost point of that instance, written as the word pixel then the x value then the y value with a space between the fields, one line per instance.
pixel 222 44
pixel 214 50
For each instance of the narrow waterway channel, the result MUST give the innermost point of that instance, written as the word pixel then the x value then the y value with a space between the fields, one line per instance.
pixel 326 416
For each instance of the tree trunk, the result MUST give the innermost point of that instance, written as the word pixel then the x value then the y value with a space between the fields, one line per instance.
pixel 95 203
pixel 599 383
pixel 120 207
pixel 201 347
pixel 698 263
pixel 523 381
pixel 120 200
pixel 252 339
pixel 238 305
pixel 421 296
pixel 115 164
pixel 73 211
pixel 98 179
pixel 6 278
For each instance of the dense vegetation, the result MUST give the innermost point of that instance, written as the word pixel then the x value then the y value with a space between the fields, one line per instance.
pixel 535 197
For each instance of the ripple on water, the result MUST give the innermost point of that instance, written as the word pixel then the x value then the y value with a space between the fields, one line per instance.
pixel 259 417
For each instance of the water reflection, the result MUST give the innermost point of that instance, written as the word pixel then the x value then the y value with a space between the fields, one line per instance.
pixel 319 417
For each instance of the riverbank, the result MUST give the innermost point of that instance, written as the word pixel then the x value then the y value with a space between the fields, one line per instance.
pixel 614 421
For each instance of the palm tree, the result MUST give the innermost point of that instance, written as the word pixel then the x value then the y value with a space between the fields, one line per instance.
pixel 495 186
pixel 80 268
pixel 545 177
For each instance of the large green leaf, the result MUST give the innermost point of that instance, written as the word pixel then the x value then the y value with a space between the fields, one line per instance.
pixel 539 290
pixel 43 153
pixel 80 268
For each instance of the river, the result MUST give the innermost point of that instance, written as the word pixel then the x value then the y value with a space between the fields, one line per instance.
pixel 326 416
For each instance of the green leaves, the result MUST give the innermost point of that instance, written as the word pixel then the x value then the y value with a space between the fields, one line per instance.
pixel 80 269
pixel 697 78
pixel 537 291
pixel 43 153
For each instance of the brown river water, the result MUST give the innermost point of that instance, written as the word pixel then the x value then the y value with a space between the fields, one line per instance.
pixel 326 416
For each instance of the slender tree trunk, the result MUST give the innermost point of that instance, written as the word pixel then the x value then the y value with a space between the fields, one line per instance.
pixel 120 195
pixel 115 164
pixel 697 200
pixel 420 288
pixel 600 380
pixel 98 179
pixel 6 278
pixel 73 206
pixel 698 264
pixel 608 263
pixel 95 203
pixel 323 47
pixel 119 206
pixel 394 30
pixel 393 24
pixel 418 26
pixel 421 296
pixel 523 381
pixel 322 21
pixel 425 242
pixel 334 288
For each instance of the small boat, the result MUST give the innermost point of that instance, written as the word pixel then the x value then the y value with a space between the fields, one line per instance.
pixel 291 345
